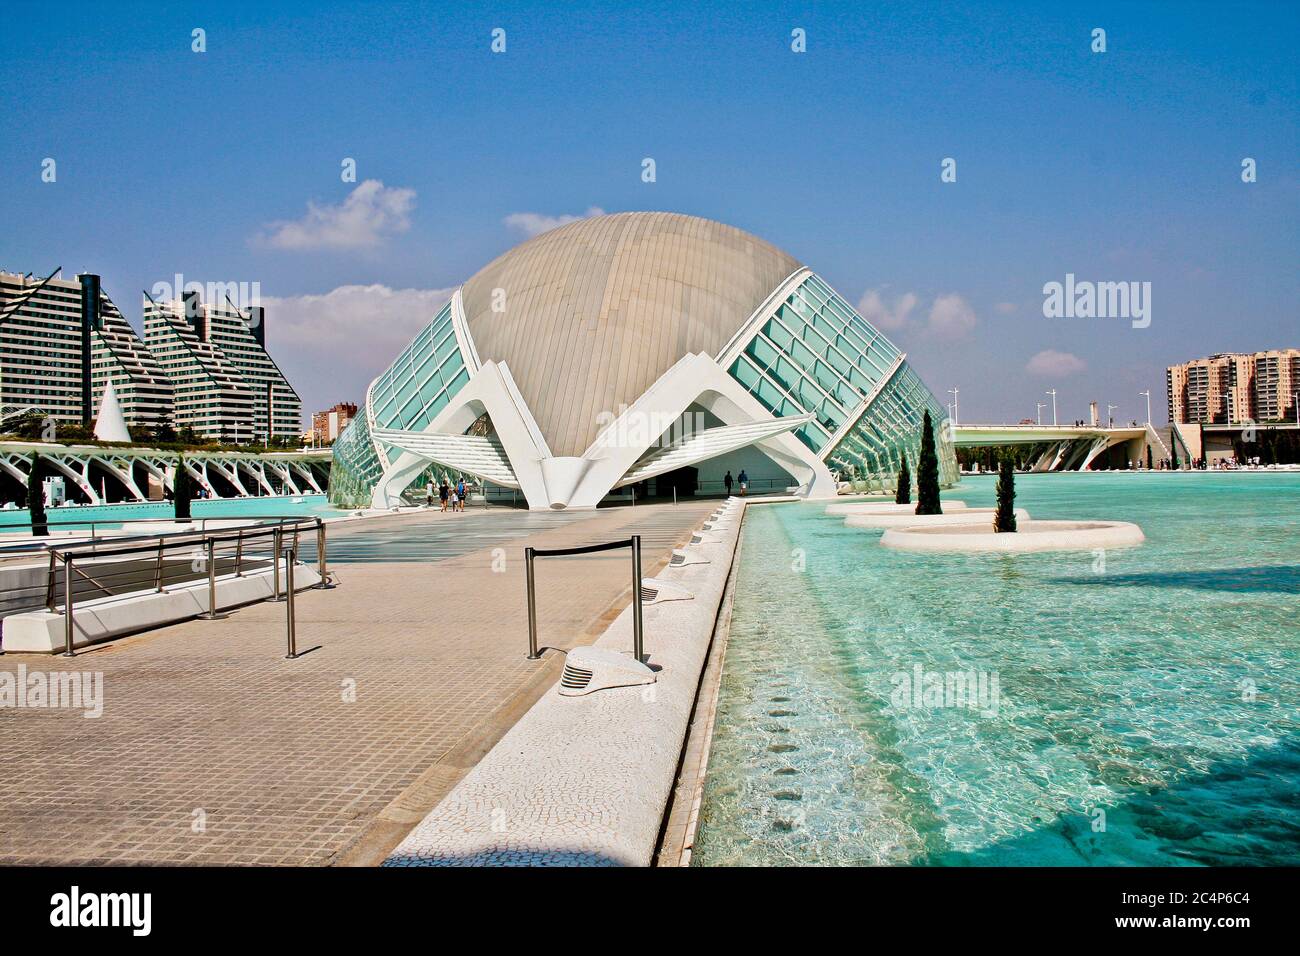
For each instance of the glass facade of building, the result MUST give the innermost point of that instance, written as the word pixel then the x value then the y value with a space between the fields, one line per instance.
pixel 814 353
pixel 409 395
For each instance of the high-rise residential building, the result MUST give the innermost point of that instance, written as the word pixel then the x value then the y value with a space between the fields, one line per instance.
pixel 212 397
pixel 241 337
pixel 329 424
pixel 1235 388
pixel 199 365
pixel 62 341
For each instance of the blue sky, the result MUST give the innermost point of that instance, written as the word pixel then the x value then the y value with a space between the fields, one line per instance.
pixel 1119 166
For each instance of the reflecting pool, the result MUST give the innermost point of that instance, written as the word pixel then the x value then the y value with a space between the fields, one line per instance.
pixel 1139 706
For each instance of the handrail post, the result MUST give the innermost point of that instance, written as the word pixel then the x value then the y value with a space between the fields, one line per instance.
pixel 67 606
pixel 49 582
pixel 290 558
pixel 239 553
pixel 638 647
pixel 532 606
pixel 275 564
pixel 158 570
pixel 212 614
pixel 322 568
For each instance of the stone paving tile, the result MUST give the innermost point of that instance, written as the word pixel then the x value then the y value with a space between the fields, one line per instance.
pixel 214 749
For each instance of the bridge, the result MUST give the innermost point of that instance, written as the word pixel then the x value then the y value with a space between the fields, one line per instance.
pixel 1066 447
pixel 93 469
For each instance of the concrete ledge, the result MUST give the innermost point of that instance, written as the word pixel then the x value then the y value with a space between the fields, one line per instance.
pixel 963 516
pixel 42 632
pixel 885 508
pixel 1031 536
pixel 584 781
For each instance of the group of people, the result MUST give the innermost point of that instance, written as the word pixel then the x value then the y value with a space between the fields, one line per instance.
pixel 742 478
pixel 450 496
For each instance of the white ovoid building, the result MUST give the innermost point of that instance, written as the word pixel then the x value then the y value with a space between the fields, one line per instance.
pixel 641 349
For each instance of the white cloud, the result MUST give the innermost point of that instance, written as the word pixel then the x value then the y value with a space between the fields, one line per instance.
pixel 535 223
pixel 951 316
pixel 331 345
pixel 369 214
pixel 1007 308
pixel 1050 362
pixel 872 307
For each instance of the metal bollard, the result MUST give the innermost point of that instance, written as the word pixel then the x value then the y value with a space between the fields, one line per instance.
pixel 290 557
pixel 67 606
pixel 638 648
pixel 532 606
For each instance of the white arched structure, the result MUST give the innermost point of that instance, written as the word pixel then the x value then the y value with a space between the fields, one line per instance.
pixel 563 367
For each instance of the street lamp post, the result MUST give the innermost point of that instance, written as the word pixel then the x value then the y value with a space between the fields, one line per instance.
pixel 1109 417
pixel 953 391
pixel 1040 412
pixel 1052 392
pixel 1147 393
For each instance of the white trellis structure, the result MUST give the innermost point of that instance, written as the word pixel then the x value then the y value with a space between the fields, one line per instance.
pixel 91 468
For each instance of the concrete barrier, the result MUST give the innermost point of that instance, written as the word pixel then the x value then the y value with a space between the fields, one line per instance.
pixel 42 632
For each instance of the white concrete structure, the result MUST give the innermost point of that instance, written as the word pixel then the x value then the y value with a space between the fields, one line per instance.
pixel 129 471
pixel 584 780
pixel 636 348
pixel 964 516
pixel 110 424
pixel 1066 447
pixel 1029 536
pixel 94 620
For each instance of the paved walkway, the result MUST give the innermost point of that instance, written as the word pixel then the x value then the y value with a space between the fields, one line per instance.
pixel 214 749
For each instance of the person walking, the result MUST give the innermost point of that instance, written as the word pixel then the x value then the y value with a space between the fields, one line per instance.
pixel 442 494
pixel 460 493
pixel 728 480
pixel 428 494
pixel 744 482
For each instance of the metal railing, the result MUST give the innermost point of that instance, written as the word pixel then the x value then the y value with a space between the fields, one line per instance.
pixel 123 566
pixel 530 554
pixel 95 528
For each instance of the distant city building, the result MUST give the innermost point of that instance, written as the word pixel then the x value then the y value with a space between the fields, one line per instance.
pixel 1235 387
pixel 199 365
pixel 328 425
pixel 62 341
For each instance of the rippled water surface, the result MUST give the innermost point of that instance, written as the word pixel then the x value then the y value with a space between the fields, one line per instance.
pixel 1147 699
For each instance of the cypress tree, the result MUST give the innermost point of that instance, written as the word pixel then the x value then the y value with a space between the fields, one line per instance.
pixel 36 500
pixel 903 496
pixel 1149 463
pixel 181 490
pixel 1004 519
pixel 927 472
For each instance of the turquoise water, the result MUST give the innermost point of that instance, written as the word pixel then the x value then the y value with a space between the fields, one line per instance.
pixel 220 508
pixel 1146 710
